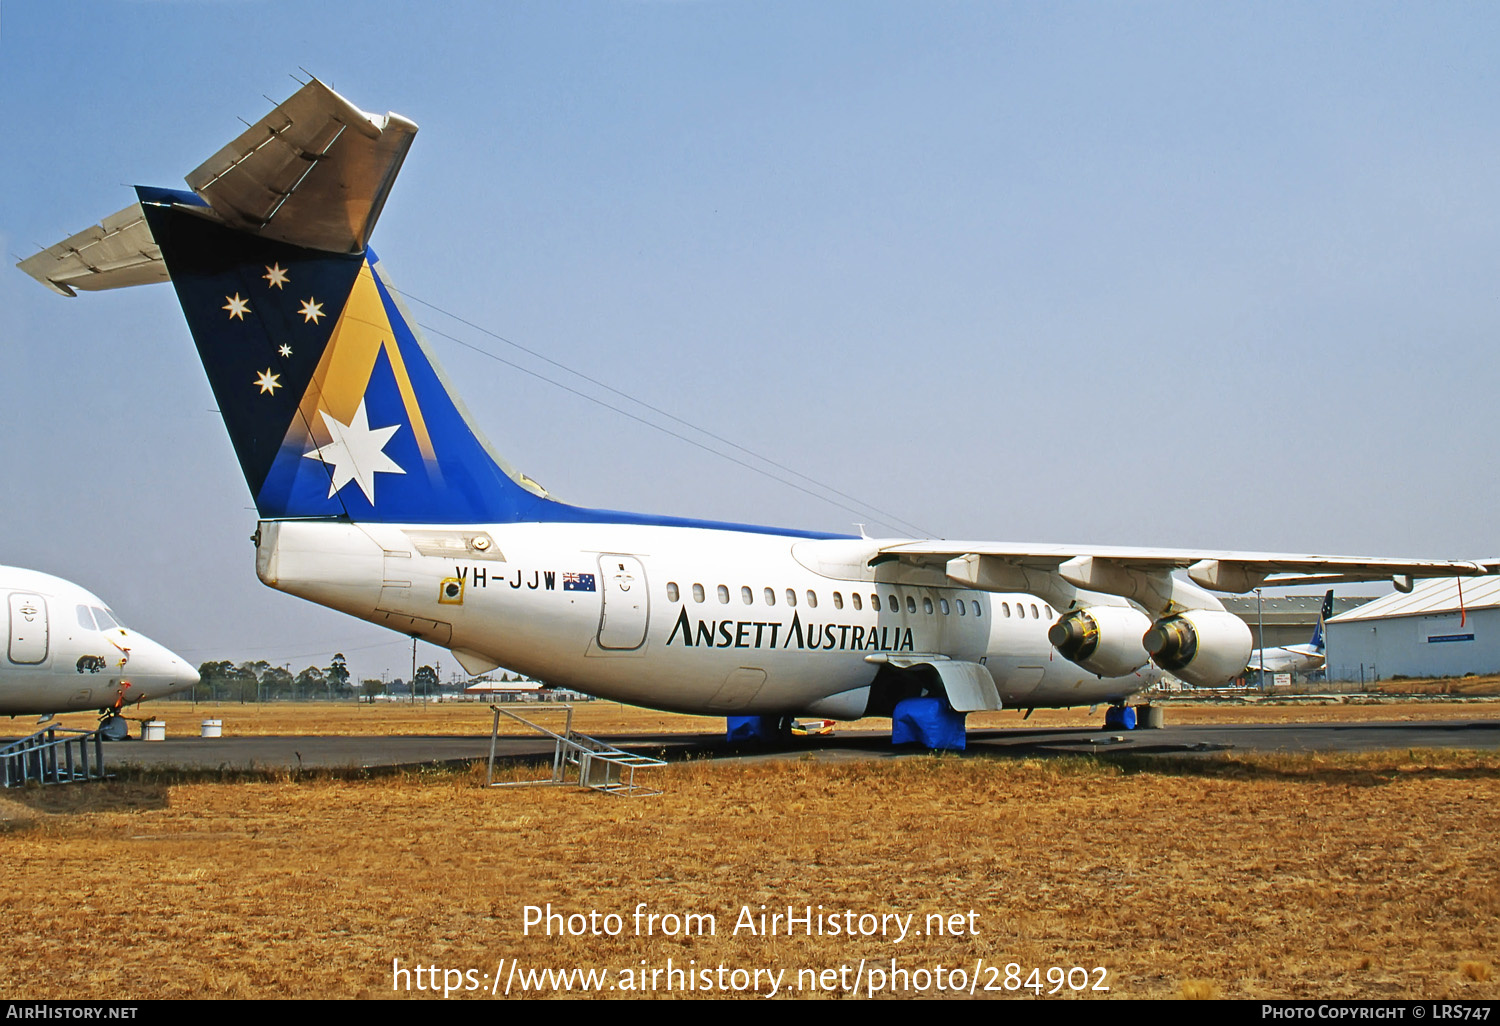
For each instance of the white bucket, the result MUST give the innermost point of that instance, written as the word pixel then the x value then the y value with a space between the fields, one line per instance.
pixel 213 728
pixel 154 730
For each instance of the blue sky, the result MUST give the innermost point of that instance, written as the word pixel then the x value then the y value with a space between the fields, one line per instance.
pixel 1160 274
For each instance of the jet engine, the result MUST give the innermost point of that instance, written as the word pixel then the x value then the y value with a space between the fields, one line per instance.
pixel 1102 639
pixel 1206 647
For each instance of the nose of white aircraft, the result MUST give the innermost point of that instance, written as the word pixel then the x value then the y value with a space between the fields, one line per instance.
pixel 155 670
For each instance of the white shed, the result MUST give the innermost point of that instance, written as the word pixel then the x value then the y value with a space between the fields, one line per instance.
pixel 1443 628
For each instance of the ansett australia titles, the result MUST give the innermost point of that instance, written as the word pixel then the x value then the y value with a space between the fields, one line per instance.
pixel 750 921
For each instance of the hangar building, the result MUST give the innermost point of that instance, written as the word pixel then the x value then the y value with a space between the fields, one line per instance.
pixel 1289 619
pixel 1426 633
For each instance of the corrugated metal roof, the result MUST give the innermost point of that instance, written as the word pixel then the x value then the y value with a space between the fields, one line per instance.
pixel 1291 609
pixel 1435 596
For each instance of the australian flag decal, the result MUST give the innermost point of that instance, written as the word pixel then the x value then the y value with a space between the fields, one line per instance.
pixel 578 582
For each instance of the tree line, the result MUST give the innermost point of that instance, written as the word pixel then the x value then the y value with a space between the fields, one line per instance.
pixel 222 680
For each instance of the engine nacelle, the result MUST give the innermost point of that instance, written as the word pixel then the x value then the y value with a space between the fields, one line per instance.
pixel 1206 647
pixel 1102 639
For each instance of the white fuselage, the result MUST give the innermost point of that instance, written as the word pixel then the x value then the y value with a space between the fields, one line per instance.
pixel 66 653
pixel 1287 659
pixel 691 619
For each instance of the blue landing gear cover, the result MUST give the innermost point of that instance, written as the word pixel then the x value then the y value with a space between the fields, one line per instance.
pixel 762 729
pixel 928 722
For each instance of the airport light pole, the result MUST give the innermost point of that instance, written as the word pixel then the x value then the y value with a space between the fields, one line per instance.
pixel 1260 616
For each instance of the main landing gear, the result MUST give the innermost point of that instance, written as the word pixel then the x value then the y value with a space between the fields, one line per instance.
pixel 929 721
pixel 926 720
pixel 767 731
pixel 1134 717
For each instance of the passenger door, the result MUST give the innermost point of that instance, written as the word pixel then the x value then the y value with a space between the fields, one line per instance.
pixel 624 603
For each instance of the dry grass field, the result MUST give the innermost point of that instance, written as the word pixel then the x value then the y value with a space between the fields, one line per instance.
pixel 1247 877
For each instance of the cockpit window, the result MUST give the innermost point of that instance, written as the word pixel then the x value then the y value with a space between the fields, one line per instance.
pixel 86 619
pixel 106 622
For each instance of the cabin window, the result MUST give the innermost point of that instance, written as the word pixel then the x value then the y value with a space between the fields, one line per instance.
pixel 1021 610
pixel 671 592
pixel 838 600
pixel 746 595
pixel 723 595
pixel 697 593
pixel 854 597
pixel 926 605
pixel 812 599
pixel 770 594
pixel 1005 609
pixel 1034 614
pixel 1048 610
pixel 980 612
pixel 911 604
pixel 961 610
pixel 791 597
pixel 875 602
pixel 892 604
pixel 943 605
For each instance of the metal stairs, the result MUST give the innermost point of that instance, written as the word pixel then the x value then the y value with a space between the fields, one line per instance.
pixel 577 759
pixel 53 755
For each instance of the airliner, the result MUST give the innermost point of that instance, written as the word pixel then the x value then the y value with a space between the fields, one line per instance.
pixel 67 652
pixel 377 496
pixel 1295 658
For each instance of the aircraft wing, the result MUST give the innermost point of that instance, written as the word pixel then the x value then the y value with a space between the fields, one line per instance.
pixel 1143 574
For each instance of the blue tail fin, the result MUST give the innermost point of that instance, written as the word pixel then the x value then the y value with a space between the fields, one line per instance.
pixel 1323 616
pixel 332 402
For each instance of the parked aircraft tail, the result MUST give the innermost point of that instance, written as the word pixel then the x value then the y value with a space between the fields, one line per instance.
pixel 333 404
pixel 1324 615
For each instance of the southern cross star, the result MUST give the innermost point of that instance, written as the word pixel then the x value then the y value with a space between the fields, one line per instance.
pixel 285 350
pixel 236 306
pixel 276 276
pixel 311 311
pixel 356 452
pixel 268 382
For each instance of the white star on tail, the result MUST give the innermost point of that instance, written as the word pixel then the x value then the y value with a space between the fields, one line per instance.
pixel 311 311
pixel 236 306
pixel 276 276
pixel 356 452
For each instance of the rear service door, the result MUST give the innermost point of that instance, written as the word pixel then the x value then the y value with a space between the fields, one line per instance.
pixel 625 603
